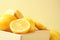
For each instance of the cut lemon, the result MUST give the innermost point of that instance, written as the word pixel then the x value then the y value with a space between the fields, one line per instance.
pixel 5 21
pixel 20 26
pixel 15 13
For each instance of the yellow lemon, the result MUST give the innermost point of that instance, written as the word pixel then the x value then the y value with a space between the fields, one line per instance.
pixel 5 21
pixel 15 13
pixel 32 24
pixel 20 26
pixel 54 35
pixel 39 26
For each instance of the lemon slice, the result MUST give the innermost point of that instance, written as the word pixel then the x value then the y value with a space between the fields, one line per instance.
pixel 20 26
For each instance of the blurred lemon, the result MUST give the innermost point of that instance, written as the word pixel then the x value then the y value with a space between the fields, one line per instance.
pixel 5 21
pixel 32 24
pixel 54 35
pixel 20 26
pixel 40 26
pixel 15 13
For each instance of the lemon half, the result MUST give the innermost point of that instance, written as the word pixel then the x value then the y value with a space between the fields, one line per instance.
pixel 20 26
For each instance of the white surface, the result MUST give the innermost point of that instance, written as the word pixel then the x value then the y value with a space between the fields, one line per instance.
pixel 38 35
pixel 9 36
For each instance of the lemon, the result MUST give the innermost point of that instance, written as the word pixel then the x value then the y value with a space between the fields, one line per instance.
pixel 32 24
pixel 39 26
pixel 23 25
pixel 15 13
pixel 54 35
pixel 20 26
pixel 5 21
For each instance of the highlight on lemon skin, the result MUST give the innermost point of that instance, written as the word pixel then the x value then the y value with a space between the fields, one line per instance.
pixel 5 20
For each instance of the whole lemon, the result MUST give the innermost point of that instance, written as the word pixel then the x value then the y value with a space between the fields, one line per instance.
pixel 5 21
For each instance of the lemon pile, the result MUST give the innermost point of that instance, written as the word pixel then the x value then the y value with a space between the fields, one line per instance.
pixel 15 22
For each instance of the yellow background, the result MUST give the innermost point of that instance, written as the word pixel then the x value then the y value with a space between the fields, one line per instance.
pixel 45 11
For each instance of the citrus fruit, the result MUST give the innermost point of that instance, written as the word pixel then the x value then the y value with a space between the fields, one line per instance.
pixel 54 35
pixel 39 26
pixel 15 13
pixel 32 24
pixel 5 21
pixel 18 14
pixel 20 26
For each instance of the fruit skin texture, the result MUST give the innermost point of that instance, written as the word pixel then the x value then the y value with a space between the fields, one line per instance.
pixel 32 24
pixel 39 26
pixel 54 35
pixel 5 21
pixel 15 13
pixel 18 14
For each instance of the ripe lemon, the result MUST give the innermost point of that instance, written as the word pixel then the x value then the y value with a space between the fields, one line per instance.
pixel 5 21
pixel 15 13
pixel 39 26
pixel 54 35
pixel 20 26
pixel 32 24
